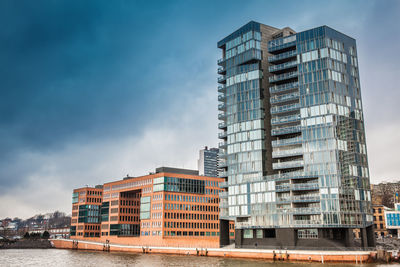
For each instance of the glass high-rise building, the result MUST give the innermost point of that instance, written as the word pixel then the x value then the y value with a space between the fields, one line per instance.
pixel 208 162
pixel 293 148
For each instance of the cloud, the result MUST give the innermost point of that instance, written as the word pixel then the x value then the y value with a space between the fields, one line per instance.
pixel 90 92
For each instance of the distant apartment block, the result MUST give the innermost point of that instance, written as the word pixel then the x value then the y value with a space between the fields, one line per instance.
pixel 208 162
pixel 293 148
pixel 172 207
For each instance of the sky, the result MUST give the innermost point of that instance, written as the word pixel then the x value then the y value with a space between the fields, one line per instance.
pixel 91 91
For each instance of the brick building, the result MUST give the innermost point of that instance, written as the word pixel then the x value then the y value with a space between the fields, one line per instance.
pixel 171 207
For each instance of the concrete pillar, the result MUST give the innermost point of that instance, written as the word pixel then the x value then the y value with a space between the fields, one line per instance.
pixel 238 238
pixel 370 236
pixel 348 237
pixel 364 238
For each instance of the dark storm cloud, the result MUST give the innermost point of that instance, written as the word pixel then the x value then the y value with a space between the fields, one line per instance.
pixel 90 90
pixel 69 72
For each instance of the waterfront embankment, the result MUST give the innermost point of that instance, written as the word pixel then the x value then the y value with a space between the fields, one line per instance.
pixel 26 244
pixel 273 255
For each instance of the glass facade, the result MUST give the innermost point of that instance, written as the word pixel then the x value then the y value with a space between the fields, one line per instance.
pixel 182 185
pixel 89 214
pixel 305 90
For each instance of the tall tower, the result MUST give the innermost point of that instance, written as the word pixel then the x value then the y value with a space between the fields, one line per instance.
pixel 208 162
pixel 293 149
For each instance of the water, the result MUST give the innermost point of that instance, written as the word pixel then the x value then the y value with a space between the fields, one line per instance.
pixel 61 257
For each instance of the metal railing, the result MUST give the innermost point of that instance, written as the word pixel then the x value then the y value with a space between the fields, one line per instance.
pixel 282 56
pixel 286 130
pixel 283 87
pixel 289 141
pixel 282 98
pixel 284 76
pixel 285 108
pixel 288 164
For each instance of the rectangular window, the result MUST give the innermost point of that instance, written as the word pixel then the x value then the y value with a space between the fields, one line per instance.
pixel 259 233
pixel 248 233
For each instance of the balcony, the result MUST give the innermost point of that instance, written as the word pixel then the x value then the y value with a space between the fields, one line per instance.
pixel 288 164
pixel 222 107
pixel 222 88
pixel 283 200
pixel 222 144
pixel 283 56
pixel 282 77
pixel 287 153
pixel 282 43
pixel 285 108
pixel 285 119
pixel 223 194
pixel 222 153
pixel 222 164
pixel 283 87
pixel 222 135
pixel 221 97
pixel 282 188
pixel 283 66
pixel 221 70
pixel 289 141
pixel 306 198
pixel 283 98
pixel 222 125
pixel 306 222
pixel 222 79
pixel 305 186
pixel 223 185
pixel 223 205
pixel 305 211
pixel 286 130
pixel 221 61
pixel 222 116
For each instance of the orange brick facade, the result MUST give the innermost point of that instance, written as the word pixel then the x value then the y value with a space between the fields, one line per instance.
pixel 161 209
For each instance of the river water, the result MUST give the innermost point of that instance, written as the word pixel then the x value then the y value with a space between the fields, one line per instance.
pixel 66 257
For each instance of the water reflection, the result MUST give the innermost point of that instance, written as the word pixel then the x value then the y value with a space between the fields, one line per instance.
pixel 59 257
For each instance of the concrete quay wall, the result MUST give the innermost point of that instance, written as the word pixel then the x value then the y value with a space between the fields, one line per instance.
pixel 273 255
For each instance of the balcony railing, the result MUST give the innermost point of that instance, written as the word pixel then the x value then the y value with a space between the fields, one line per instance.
pixel 286 130
pixel 304 198
pixel 222 125
pixel 282 56
pixel 284 98
pixel 282 43
pixel 306 222
pixel 283 87
pixel 221 70
pixel 222 79
pixel 222 106
pixel 289 141
pixel 221 97
pixel 222 116
pixel 305 186
pixel 223 194
pixel 222 135
pixel 285 108
pixel 281 188
pixel 306 210
pixel 284 76
pixel 222 88
pixel 285 119
pixel 288 164
pixel 223 184
pixel 221 61
pixel 287 153
pixel 222 144
pixel 222 164
pixel 282 66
